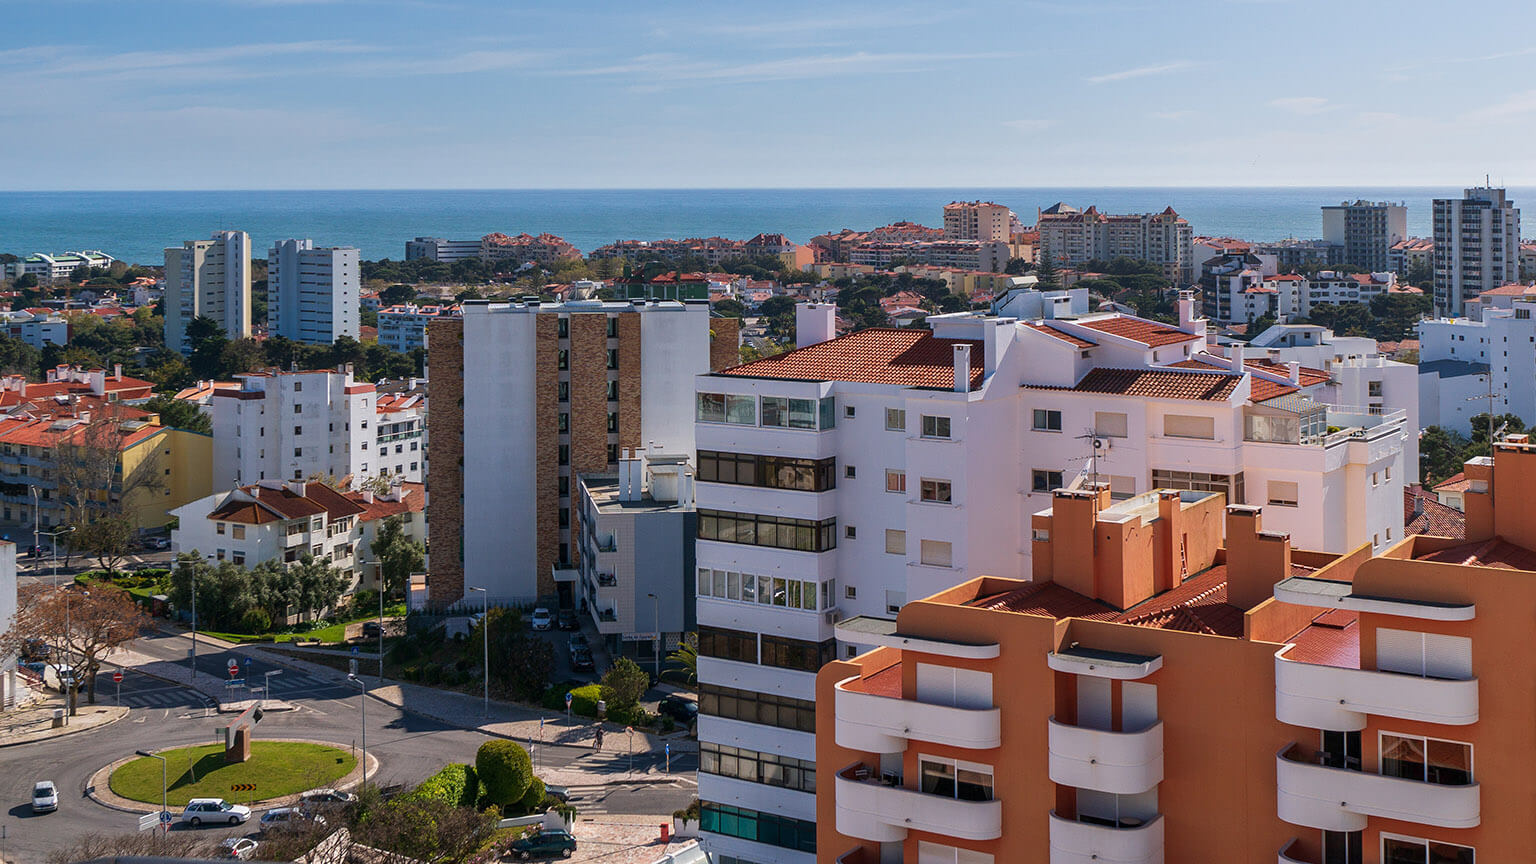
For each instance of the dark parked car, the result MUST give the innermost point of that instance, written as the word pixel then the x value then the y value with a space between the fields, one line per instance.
pixel 372 630
pixel 581 660
pixel 566 620
pixel 578 642
pixel 36 649
pixel 545 844
pixel 679 708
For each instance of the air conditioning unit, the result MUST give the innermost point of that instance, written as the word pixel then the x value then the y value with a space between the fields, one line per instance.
pixel 830 616
pixel 1100 444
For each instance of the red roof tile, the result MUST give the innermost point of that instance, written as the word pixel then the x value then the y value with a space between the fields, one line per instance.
pixel 1048 599
pixel 1457 482
pixel 886 682
pixel 1496 553
pixel 1199 605
pixel 1149 333
pixel 1158 383
pixel 1310 377
pixel 1433 518
pixel 413 499
pixel 1062 335
pixel 902 357
pixel 1263 389
pixel 1332 639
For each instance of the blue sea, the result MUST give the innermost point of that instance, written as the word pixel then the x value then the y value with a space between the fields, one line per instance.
pixel 137 226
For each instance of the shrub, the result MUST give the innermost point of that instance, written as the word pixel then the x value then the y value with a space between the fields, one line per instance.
pixel 447 786
pixel 505 771
pixel 631 716
pixel 667 724
pixel 583 698
pixel 533 797
pixel 692 813
pixel 255 620
pixel 431 673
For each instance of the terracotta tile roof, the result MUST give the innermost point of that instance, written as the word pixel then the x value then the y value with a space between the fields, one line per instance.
pixel 879 355
pixel 1048 599
pixel 1496 553
pixel 1158 383
pixel 413 499
pixel 40 432
pixel 1149 333
pixel 886 682
pixel 1059 334
pixel 1434 518
pixel 272 505
pixel 1197 606
pixel 1263 389
pixel 1332 639
pixel 1310 376
pixel 1457 482
pixel 1513 290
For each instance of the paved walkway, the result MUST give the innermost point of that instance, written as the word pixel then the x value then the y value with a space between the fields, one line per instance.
pixel 624 840
pixel 35 722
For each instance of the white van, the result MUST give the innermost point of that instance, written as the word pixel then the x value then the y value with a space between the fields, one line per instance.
pixel 58 677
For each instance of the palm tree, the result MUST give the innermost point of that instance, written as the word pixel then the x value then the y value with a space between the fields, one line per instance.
pixel 687 656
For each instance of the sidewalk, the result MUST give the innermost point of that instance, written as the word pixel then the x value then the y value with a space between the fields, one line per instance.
pixel 35 722
pixel 176 672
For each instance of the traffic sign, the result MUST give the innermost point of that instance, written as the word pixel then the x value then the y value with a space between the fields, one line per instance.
pixel 569 697
pixel 165 817
pixel 234 668
pixel 148 821
pixel 117 677
pixel 234 682
pixel 354 649
pixel 243 787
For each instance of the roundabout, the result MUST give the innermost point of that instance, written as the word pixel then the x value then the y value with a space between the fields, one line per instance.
pixel 276 769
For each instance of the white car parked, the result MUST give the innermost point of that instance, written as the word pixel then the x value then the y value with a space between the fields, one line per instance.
pixel 214 810
pixel 45 797
pixel 542 619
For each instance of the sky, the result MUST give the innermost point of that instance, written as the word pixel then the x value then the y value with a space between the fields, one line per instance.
pixel 342 94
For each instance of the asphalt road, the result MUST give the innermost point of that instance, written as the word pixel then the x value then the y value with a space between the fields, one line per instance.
pixel 408 746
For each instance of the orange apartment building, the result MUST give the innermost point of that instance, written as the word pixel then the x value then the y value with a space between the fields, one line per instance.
pixel 1160 692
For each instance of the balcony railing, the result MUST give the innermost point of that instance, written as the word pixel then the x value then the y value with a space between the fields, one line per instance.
pixel 1125 763
pixel 607 615
pixel 1337 698
pixel 873 810
pixel 607 580
pixel 1315 795
pixel 1130 841
pixel 884 724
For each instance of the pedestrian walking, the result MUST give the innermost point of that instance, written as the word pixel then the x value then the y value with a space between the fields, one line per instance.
pixel 597 739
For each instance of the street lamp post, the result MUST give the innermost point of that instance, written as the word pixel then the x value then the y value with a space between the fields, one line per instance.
pixel 485 642
pixel 363 697
pixel 53 537
pixel 163 808
pixel 656 639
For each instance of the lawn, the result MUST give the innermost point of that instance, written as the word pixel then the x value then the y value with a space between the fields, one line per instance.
pixel 276 767
pixel 330 633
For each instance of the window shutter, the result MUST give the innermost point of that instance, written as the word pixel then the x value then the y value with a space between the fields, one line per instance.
pixel 1447 656
pixel 1399 651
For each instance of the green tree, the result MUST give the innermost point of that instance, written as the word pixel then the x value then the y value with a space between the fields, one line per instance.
pixel 730 308
pixel 320 584
pixel 179 415
pixel 1046 272
pixel 109 540
pixel 207 340
pixel 624 683
pixel 687 656
pixel 504 770
pixel 399 555
pixel 1440 452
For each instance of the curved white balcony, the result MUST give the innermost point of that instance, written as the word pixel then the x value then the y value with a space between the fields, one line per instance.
pixel 1287 858
pixel 882 724
pixel 1333 697
pixel 1125 763
pixel 871 810
pixel 1074 842
pixel 1337 799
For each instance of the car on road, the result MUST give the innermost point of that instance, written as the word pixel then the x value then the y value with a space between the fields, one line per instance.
pixel 559 793
pixel 238 849
pixel 544 844
pixel 581 660
pixel 36 649
pixel 158 543
pixel 214 810
pixel 327 796
pixel 372 630
pixel 45 797
pixel 566 619
pixel 280 818
pixel 58 677
pixel 578 642
pixel 542 619
pixel 679 708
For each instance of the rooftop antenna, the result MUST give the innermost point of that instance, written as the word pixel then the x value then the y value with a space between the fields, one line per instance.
pixel 1095 444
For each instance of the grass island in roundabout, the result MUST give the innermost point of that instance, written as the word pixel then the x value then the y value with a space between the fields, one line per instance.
pixel 275 769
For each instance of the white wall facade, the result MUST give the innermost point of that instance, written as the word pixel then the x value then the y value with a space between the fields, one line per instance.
pixel 293 425
pixel 1477 247
pixel 208 279
pixel 312 292
pixel 1504 341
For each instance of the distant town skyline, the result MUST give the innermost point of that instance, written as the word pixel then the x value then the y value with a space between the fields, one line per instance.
pixel 405 94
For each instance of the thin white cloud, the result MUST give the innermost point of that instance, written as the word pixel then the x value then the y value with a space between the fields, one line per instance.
pixel 1514 106
pixel 1304 105
pixel 1140 72
pixel 658 69
pixel 1171 115
pixel 1032 124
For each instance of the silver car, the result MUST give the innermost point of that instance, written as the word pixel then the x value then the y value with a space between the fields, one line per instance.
pixel 45 797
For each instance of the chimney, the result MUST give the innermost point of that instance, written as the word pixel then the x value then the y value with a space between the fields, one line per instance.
pixel 85 416
pixel 117 371
pixel 685 489
pixel 1295 373
pixel 1256 559
pixel 1074 516
pixel 624 459
pixel 367 496
pixel 298 487
pixel 1171 567
pixel 814 323
pixel 1189 321
pixel 962 368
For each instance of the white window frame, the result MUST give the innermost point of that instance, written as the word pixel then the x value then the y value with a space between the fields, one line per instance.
pixel 1049 415
pixel 938 486
pixel 895 419
pixel 1385 836
pixel 894 474
pixel 938 420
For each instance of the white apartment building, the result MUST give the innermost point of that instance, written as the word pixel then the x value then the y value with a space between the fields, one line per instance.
pixel 312 292
pixel 1252 295
pixel 988 255
pixel 635 562
pixel 846 476
pixel 1477 246
pixel 1468 367
pixel 401 445
pixel 293 426
pixel 438 249
pixel 1367 230
pixel 274 520
pixel 10 681
pixel 35 328
pixel 978 220
pixel 48 268
pixel 403 327
pixel 1073 237
pixel 208 279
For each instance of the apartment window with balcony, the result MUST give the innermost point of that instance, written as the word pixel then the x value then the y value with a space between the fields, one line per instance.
pixel 726 644
pixel 934 491
pixel 782 712
pixel 935 427
pixel 770 828
pixel 725 408
pixel 895 481
pixel 895 420
pixel 1427 655
pixel 1428 760
pixel 767 768
pixel 1409 850
pixel 1282 493
pixel 773 472
pixel 775 532
pixel 1044 481
pixel 895 542
pixel 936 553
pixel 1373 388
pixel 1046 421
pixel 1341 749
pixel 797 654
pixel 781 412
pixel 964 781
pixel 936 853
